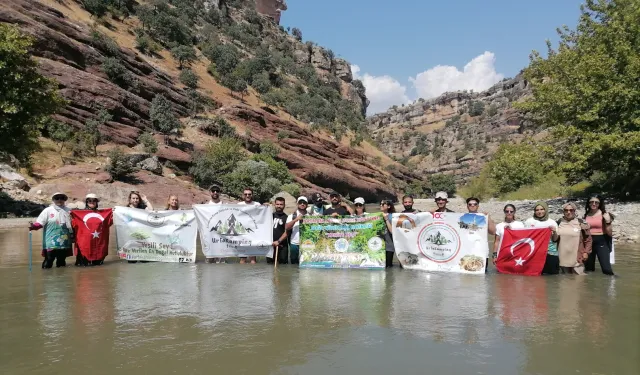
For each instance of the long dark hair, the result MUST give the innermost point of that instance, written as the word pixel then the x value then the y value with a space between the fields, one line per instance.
pixel 600 206
pixel 392 208
pixel 141 205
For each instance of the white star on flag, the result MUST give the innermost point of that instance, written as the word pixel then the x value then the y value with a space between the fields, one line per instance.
pixel 96 234
pixel 519 261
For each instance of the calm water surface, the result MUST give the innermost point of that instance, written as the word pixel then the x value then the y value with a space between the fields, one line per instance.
pixel 159 318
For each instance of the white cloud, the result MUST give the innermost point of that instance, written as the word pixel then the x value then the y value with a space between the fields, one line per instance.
pixel 385 91
pixel 382 91
pixel 479 74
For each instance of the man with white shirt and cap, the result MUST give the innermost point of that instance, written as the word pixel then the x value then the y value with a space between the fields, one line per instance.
pixel 293 227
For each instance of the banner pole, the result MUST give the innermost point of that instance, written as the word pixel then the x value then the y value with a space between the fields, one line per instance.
pixel 275 263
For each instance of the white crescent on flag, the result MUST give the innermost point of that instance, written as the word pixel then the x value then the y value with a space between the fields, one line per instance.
pixel 528 241
pixel 91 215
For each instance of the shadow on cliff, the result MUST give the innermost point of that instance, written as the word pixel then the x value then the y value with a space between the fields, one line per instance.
pixel 10 207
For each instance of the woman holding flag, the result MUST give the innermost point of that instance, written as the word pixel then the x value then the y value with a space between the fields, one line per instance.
pixel 541 219
pixel 509 222
pixel 91 226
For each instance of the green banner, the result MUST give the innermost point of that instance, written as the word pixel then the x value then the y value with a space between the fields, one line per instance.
pixel 342 242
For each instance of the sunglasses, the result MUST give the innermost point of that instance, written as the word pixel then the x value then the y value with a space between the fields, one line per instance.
pixel 92 200
pixel 440 200
pixel 59 198
pixel 359 205
pixel 472 204
pixel 215 191
pixel 509 212
pixel 569 210
pixel 247 194
pixel 334 196
pixel 594 202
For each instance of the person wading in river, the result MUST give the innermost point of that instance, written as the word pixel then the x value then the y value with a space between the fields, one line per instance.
pixel 442 198
pixel 280 245
pixel 247 196
pixel 214 191
pixel 57 236
pixel 91 202
pixel 600 222
pixel 338 208
pixel 541 219
pixel 509 222
pixel 473 205
pixel 139 201
pixel 407 203
pixel 293 226
pixel 574 240
pixel 388 209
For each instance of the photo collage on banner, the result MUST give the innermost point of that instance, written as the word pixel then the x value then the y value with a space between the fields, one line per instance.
pixel 161 236
pixel 347 242
pixel 443 241
pixel 232 230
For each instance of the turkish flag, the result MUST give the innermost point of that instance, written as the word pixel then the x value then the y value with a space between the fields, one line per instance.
pixel 523 251
pixel 91 229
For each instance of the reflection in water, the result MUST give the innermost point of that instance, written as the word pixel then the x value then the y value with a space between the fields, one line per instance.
pixel 196 318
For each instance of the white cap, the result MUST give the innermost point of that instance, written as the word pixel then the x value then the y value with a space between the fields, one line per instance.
pixel 302 199
pixel 359 200
pixel 442 195
pixel 91 196
pixel 59 193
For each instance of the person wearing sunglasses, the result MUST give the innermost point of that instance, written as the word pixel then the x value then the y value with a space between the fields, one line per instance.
pixel 541 219
pixel 214 191
pixel 509 222
pixel 574 240
pixel 292 226
pixel 388 209
pixel 360 209
pixel 442 198
pixel 338 208
pixel 600 221
pixel 57 236
pixel 473 204
pixel 91 202
pixel 247 199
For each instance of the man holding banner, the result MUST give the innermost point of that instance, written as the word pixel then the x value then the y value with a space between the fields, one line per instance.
pixel 293 226
pixel 523 251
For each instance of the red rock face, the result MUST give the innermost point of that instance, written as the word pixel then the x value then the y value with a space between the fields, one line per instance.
pixel 271 8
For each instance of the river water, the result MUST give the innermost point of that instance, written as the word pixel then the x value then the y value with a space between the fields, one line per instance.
pixel 243 319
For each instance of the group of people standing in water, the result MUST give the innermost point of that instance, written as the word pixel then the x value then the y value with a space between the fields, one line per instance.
pixel 573 248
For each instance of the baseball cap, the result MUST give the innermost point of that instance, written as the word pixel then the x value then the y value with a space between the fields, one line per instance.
pixel 304 199
pixel 359 200
pixel 442 195
pixel 214 187
pixel 333 192
pixel 59 193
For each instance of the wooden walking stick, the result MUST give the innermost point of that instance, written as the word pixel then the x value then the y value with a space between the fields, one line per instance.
pixel 275 263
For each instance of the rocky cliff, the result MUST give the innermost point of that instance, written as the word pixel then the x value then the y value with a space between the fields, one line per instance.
pixel 455 133
pixel 271 8
pixel 67 49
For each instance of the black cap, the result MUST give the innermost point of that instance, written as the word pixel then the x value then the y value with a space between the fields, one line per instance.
pixel 316 197
pixel 215 187
pixel 333 192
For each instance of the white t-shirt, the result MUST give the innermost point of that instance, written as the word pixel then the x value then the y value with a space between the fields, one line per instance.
pixel 295 231
pixel 254 203
pixel 212 202
pixel 513 225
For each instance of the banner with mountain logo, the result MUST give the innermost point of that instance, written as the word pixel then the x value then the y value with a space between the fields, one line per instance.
pixel 442 241
pixel 233 230
pixel 161 236
pixel 346 242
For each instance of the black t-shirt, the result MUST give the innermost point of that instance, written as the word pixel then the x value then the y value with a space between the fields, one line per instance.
pixel 279 219
pixel 340 210
pixel 414 211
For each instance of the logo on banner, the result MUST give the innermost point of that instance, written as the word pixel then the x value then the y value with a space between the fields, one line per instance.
pixel 308 245
pixel 439 242
pixel 155 219
pixel 374 243
pixel 341 245
pixel 232 222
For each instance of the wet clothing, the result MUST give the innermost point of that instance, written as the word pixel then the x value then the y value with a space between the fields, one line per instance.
pixel 279 220
pixel 601 248
pixel 341 211
pixel 59 256
pixel 575 241
pixel 389 248
pixel 295 253
pixel 57 235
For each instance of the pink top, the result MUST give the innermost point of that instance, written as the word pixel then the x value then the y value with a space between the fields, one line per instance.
pixel 595 222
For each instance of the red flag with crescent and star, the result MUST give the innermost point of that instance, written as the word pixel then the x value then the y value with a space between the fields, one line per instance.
pixel 91 229
pixel 523 251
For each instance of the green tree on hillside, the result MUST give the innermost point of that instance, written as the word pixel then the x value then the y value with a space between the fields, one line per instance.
pixel 26 97
pixel 587 92
pixel 61 133
pixel 296 33
pixel 189 78
pixel 162 116
pixel 184 54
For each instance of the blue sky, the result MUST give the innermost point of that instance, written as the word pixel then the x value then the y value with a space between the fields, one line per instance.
pixel 397 44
